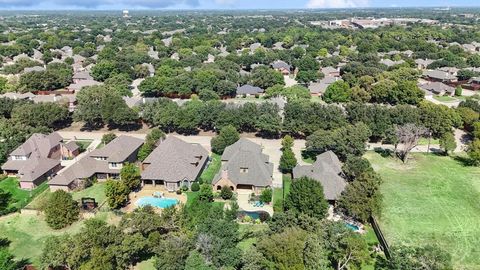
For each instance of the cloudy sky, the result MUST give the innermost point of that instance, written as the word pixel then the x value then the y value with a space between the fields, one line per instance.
pixel 223 4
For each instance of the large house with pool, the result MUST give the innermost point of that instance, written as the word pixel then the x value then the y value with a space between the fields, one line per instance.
pixel 102 163
pixel 327 169
pixel 173 164
pixel 244 168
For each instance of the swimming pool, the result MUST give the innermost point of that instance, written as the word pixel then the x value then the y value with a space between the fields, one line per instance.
pixel 352 227
pixel 156 202
pixel 262 215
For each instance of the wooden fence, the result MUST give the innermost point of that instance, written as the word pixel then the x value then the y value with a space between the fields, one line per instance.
pixel 380 237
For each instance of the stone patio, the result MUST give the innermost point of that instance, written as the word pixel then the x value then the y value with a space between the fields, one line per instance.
pixel 148 191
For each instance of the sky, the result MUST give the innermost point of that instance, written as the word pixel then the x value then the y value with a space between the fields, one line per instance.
pixel 222 4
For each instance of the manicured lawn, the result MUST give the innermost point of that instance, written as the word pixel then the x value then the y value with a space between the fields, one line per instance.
pixel 96 191
pixel 145 265
pixel 431 200
pixel 212 169
pixel 84 144
pixel 424 141
pixel 20 196
pixel 445 98
pixel 28 233
pixel 191 197
pixel 278 192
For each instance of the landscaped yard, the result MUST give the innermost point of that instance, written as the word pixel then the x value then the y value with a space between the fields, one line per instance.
pixel 28 233
pixel 278 193
pixel 431 200
pixel 83 144
pixel 212 169
pixel 20 196
pixel 424 141
pixel 445 98
pixel 248 233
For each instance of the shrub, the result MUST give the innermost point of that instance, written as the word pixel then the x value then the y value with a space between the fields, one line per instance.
pixel 266 195
pixel 108 137
pixel 206 193
pixel 263 216
pixel 195 187
pixel 179 192
pixel 226 193
pixel 61 210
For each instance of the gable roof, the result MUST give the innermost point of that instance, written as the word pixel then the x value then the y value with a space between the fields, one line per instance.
pixel 249 89
pixel 245 154
pixel 326 169
pixel 175 160
pixel 119 149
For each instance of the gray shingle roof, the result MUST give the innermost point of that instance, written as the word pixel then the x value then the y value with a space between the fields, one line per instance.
pixel 245 154
pixel 249 89
pixel 119 149
pixel 175 160
pixel 326 169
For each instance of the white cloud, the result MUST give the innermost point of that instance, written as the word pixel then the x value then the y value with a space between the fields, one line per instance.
pixel 337 3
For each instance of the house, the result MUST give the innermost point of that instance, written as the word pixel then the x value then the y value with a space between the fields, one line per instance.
pixel 35 160
pixel 174 164
pixel 69 150
pixel 244 167
pixel 81 76
pixel 249 90
pixel 282 67
pixel 439 76
pixel 14 95
pixel 327 169
pixel 391 63
pixel 70 100
pixel 331 71
pixel 33 69
pixel 100 164
pixel 75 87
pixel 318 88
pixel 438 88
pixel 423 63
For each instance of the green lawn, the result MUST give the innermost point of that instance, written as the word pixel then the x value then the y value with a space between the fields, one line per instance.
pixel 431 200
pixel 278 192
pixel 20 196
pixel 84 144
pixel 424 141
pixel 145 265
pixel 445 98
pixel 212 169
pixel 28 233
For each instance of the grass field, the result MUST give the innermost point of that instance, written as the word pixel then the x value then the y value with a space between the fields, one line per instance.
pixel 83 144
pixel 445 98
pixel 28 233
pixel 424 141
pixel 213 167
pixel 248 234
pixel 431 200
pixel 21 197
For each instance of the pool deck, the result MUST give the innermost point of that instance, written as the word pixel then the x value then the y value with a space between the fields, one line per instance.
pixel 242 200
pixel 148 191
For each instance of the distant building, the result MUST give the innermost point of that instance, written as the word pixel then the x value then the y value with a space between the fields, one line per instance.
pixel 125 14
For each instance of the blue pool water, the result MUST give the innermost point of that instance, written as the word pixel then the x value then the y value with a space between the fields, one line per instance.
pixel 156 202
pixel 252 214
pixel 352 227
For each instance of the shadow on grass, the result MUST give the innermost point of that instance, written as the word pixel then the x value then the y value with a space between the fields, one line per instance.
pixel 385 153
pixel 465 161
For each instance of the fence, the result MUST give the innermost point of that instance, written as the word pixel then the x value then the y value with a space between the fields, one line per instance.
pixel 380 237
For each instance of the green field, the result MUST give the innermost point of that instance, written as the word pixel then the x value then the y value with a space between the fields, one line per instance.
pixel 212 169
pixel 21 197
pixel 445 98
pixel 431 200
pixel 28 233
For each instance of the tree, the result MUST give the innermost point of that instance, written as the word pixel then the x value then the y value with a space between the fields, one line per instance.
pixel 228 135
pixel 265 77
pixel 458 91
pixel 205 193
pixel 362 198
pixel 474 151
pixel 288 161
pixel 195 187
pixel 408 257
pixel 306 197
pixel 61 210
pixel 338 91
pixel 266 195
pixel 108 137
pixel 130 175
pixel 252 259
pixel 226 193
pixel 5 199
pixel 447 142
pixel 117 193
pixel 7 260
pixel 287 142
pixel 408 136
pixel 284 250
pixel 195 261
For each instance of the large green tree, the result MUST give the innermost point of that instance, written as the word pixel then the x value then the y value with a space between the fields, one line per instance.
pixel 61 210
pixel 306 197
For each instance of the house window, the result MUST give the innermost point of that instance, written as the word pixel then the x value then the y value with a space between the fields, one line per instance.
pixel 113 165
pixel 244 170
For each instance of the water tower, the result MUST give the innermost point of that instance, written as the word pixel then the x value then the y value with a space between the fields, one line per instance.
pixel 125 14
